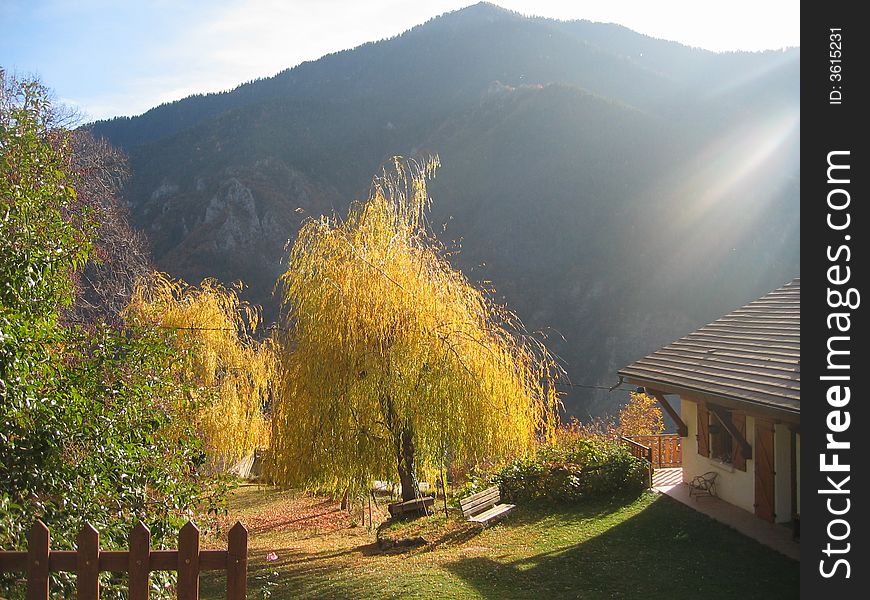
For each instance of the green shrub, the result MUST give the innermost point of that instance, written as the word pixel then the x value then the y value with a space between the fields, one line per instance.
pixel 87 437
pixel 570 470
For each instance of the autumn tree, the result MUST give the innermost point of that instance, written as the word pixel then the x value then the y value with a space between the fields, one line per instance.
pixel 64 231
pixel 641 416
pixel 120 254
pixel 393 361
pixel 229 372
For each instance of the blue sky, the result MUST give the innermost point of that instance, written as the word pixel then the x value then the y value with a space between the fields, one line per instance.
pixel 122 57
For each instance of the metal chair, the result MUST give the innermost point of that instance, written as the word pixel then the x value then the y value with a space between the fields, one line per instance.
pixel 703 485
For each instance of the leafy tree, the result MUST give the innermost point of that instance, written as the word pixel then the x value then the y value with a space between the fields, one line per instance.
pixel 394 361
pixel 120 255
pixel 87 427
pixel 45 232
pixel 230 373
pixel 575 466
pixel 641 416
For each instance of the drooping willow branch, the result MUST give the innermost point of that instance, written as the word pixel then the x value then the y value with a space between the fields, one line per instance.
pixel 231 374
pixel 384 334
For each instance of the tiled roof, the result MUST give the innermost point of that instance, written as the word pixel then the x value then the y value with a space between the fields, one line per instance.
pixel 750 355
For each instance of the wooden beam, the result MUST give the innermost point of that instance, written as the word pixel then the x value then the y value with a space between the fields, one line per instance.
pixel 682 429
pixel 88 564
pixel 188 562
pixel 725 420
pixel 753 409
pixel 137 562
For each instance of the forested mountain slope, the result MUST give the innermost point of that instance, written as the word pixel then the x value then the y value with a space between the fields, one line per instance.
pixel 617 189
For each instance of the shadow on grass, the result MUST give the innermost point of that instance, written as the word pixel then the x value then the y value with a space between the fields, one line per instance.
pixel 530 515
pixel 660 549
pixel 457 537
pixel 665 551
pixel 250 496
pixel 339 574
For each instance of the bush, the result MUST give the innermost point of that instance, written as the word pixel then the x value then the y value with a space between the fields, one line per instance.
pixel 579 464
pixel 88 436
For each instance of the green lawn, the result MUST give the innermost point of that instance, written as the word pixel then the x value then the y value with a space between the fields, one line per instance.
pixel 645 547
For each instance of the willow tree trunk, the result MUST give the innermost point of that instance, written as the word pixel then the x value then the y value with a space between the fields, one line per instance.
pixel 405 459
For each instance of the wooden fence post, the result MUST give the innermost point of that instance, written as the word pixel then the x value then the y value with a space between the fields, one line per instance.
pixel 650 468
pixel 88 564
pixel 237 562
pixel 38 540
pixel 188 563
pixel 140 556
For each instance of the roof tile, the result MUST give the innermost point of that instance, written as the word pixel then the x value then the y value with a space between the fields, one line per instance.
pixel 751 354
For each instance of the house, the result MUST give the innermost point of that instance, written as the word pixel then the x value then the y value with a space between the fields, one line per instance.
pixel 738 380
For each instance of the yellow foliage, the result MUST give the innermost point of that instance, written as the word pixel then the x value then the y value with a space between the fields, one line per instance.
pixel 230 373
pixel 386 340
pixel 641 416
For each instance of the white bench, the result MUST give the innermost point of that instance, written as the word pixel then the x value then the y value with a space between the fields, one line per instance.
pixel 484 506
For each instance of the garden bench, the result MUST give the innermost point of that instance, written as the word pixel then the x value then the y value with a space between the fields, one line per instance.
pixel 484 506
pixel 416 506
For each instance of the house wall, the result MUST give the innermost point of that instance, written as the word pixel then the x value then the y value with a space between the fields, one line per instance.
pixel 782 469
pixel 732 485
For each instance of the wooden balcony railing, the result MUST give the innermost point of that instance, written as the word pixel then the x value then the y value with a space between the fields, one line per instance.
pixel 666 450
pixel 640 451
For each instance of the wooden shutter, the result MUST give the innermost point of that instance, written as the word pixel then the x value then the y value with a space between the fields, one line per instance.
pixel 703 430
pixel 737 459
pixel 764 474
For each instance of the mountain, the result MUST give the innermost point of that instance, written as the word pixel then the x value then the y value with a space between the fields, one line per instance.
pixel 618 190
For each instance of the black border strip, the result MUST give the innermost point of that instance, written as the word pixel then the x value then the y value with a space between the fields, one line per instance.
pixel 831 109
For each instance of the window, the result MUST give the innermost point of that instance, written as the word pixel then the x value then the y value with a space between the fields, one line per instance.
pixel 714 440
pixel 721 442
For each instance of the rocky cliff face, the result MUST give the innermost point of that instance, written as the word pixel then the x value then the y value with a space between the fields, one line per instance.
pixel 234 225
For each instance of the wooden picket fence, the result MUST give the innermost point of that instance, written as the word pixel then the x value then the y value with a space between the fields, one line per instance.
pixel 637 449
pixel 139 561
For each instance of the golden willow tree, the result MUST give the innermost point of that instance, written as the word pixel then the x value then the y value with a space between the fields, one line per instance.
pixel 230 373
pixel 393 360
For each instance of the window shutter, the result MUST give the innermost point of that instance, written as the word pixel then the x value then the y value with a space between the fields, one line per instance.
pixel 737 459
pixel 703 430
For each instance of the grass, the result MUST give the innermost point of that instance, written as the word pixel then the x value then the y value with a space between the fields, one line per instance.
pixel 648 546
